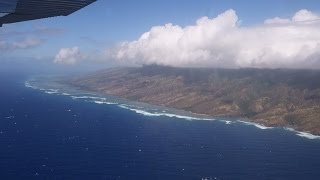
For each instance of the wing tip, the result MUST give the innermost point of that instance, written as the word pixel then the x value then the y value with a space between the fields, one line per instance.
pixel 21 15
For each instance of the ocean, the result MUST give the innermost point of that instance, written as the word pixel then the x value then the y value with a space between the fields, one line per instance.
pixel 48 131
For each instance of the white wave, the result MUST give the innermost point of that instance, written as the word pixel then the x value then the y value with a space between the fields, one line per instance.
pixel 104 102
pixel 28 85
pixel 303 134
pixel 88 97
pixel 184 117
pixel 228 122
pixel 146 113
pixel 79 97
pixel 255 124
pixel 53 90
pixel 289 129
pixel 308 135
pixel 97 100
pixel 50 92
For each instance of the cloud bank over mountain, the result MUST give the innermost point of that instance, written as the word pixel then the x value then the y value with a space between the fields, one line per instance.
pixel 223 42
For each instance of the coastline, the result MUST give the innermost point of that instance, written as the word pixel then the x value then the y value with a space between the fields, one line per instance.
pixel 177 113
pixel 230 120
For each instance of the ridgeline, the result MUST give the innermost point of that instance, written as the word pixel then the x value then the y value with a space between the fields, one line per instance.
pixel 272 97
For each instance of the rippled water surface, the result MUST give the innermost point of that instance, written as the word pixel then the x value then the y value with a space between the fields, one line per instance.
pixel 54 132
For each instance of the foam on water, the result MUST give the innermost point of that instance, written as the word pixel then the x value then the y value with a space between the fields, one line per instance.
pixel 48 91
pixel 298 133
pixel 51 92
pixel 27 84
pixel 104 102
pixel 255 124
pixel 94 99
pixel 88 97
pixel 228 122
pixel 308 135
pixel 303 134
pixel 157 114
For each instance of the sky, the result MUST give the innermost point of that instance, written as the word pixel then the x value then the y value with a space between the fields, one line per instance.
pixel 184 33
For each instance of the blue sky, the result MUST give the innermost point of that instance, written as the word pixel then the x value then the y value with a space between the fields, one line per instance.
pixel 106 22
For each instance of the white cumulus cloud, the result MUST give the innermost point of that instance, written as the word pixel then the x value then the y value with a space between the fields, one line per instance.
pixel 222 42
pixel 69 56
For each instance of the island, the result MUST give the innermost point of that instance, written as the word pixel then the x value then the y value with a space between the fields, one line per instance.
pixel 272 97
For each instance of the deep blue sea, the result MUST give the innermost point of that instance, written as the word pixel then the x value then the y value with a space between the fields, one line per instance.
pixel 51 134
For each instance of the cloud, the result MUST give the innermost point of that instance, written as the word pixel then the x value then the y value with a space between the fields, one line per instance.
pixel 69 56
pixel 11 39
pixel 301 17
pixel 222 42
pixel 21 44
pixel 35 31
pixel 47 30
pixel 27 43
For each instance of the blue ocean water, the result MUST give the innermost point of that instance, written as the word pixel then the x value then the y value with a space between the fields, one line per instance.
pixel 49 135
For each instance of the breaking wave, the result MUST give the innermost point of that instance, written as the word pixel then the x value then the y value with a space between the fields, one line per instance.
pixel 51 91
pixel 227 122
pixel 260 126
pixel 27 84
pixel 157 114
pixel 303 134
pixel 76 96
pixel 88 97
pixel 104 102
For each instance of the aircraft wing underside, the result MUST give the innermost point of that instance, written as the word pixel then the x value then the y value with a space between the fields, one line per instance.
pixel 12 11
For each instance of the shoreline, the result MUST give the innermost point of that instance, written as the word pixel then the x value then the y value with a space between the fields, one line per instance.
pixel 230 120
pixel 197 116
pixel 244 120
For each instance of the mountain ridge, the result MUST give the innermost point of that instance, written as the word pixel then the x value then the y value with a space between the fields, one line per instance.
pixel 272 97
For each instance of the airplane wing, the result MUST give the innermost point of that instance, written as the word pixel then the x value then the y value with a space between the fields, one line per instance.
pixel 12 11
